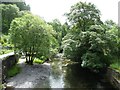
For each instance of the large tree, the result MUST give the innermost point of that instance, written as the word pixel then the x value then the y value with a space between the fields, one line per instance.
pixel 112 30
pixel 33 36
pixel 89 41
pixel 9 12
pixel 20 3
pixel 82 15
pixel 61 30
pixel 93 48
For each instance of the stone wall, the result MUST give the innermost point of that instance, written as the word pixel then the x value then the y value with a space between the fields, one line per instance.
pixel 0 72
pixel 114 77
pixel 8 60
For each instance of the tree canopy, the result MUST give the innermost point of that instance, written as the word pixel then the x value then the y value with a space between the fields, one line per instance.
pixel 90 41
pixel 33 36
pixel 82 15
pixel 61 30
pixel 20 4
pixel 9 12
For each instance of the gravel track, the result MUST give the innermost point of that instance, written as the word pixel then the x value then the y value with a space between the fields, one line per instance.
pixel 30 76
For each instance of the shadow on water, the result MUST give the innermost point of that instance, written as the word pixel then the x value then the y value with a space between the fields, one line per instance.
pixel 73 76
pixel 77 77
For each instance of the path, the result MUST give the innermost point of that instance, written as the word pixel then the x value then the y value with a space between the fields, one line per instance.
pixel 30 76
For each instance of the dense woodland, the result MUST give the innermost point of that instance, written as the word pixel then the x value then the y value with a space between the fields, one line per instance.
pixel 83 38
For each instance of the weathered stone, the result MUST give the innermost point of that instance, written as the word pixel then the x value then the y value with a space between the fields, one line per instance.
pixel 8 61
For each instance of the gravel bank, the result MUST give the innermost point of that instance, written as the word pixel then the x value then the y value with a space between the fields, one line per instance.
pixel 30 76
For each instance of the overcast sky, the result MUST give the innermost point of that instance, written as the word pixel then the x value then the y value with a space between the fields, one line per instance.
pixel 51 9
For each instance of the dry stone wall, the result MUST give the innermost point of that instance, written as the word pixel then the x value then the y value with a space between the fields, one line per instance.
pixel 8 61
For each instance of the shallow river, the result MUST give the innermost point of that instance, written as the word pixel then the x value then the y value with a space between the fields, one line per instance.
pixel 72 76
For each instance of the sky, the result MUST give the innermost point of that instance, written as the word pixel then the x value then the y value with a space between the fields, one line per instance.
pixel 52 9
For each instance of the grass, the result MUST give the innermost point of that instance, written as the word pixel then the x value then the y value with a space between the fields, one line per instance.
pixel 1 86
pixel 38 61
pixel 116 65
pixel 13 71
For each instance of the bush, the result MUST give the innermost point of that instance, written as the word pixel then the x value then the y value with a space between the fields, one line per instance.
pixel 91 60
pixel 38 61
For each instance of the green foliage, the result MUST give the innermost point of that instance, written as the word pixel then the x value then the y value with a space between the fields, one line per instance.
pixel 13 71
pixel 93 48
pixel 116 63
pixel 89 41
pixel 60 31
pixel 19 3
pixel 33 36
pixel 5 51
pixel 92 61
pixel 116 66
pixel 1 86
pixel 5 45
pixel 82 15
pixel 38 61
pixel 69 48
pixel 112 31
pixel 22 13
pixel 9 12
pixel 4 40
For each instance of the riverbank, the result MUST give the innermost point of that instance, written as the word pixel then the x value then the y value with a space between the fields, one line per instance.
pixel 29 76
pixel 57 74
pixel 113 77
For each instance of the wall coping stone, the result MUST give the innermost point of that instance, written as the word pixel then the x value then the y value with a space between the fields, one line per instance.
pixel 6 55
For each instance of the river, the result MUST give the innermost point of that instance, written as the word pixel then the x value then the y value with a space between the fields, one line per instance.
pixel 73 76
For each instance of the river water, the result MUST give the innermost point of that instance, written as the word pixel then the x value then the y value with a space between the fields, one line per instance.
pixel 73 76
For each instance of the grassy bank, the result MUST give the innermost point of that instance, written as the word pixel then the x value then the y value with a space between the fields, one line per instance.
pixel 116 65
pixel 1 86
pixel 13 71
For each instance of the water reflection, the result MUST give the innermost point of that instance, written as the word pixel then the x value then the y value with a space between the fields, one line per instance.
pixel 56 77
pixel 73 76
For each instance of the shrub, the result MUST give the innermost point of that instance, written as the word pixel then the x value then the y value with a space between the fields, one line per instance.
pixel 38 61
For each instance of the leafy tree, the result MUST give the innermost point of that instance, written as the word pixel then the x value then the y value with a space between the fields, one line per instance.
pixel 9 12
pixel 4 40
pixel 61 30
pixel 32 36
pixel 82 15
pixel 19 3
pixel 89 41
pixel 112 30
pixel 93 48
pixel 22 13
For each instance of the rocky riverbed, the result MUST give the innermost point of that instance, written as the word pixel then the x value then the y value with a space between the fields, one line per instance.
pixel 30 75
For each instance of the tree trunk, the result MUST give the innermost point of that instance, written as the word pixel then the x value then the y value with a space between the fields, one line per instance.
pixel 26 58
